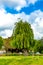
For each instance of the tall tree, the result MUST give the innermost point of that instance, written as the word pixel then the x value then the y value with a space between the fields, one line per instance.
pixel 23 35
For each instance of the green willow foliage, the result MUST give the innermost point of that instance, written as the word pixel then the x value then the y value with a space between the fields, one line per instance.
pixel 22 35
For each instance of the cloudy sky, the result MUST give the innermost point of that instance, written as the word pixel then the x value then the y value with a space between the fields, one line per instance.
pixel 29 10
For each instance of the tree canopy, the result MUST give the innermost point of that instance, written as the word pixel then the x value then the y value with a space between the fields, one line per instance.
pixel 22 35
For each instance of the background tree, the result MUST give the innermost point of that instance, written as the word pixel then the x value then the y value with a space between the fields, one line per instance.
pixel 22 35
pixel 1 42
pixel 38 47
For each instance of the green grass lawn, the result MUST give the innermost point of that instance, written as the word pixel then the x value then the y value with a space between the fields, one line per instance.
pixel 21 60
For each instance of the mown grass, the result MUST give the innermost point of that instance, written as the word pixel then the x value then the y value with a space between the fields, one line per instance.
pixel 21 60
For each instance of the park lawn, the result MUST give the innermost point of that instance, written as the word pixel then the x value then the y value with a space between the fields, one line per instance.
pixel 21 60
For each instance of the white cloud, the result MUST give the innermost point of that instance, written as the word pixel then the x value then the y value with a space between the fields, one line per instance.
pixel 37 24
pixel 5 18
pixel 6 33
pixel 7 21
pixel 16 4
pixel 32 1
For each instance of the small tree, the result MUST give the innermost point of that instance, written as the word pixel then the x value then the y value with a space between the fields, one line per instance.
pixel 38 47
pixel 1 42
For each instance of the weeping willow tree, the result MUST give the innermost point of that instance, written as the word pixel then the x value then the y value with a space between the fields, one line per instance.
pixel 22 35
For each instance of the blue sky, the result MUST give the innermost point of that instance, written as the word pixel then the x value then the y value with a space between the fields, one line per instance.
pixel 29 10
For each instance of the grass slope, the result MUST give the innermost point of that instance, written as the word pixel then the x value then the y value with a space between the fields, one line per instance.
pixel 21 60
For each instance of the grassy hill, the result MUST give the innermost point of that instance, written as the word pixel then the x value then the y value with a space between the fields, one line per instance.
pixel 21 60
